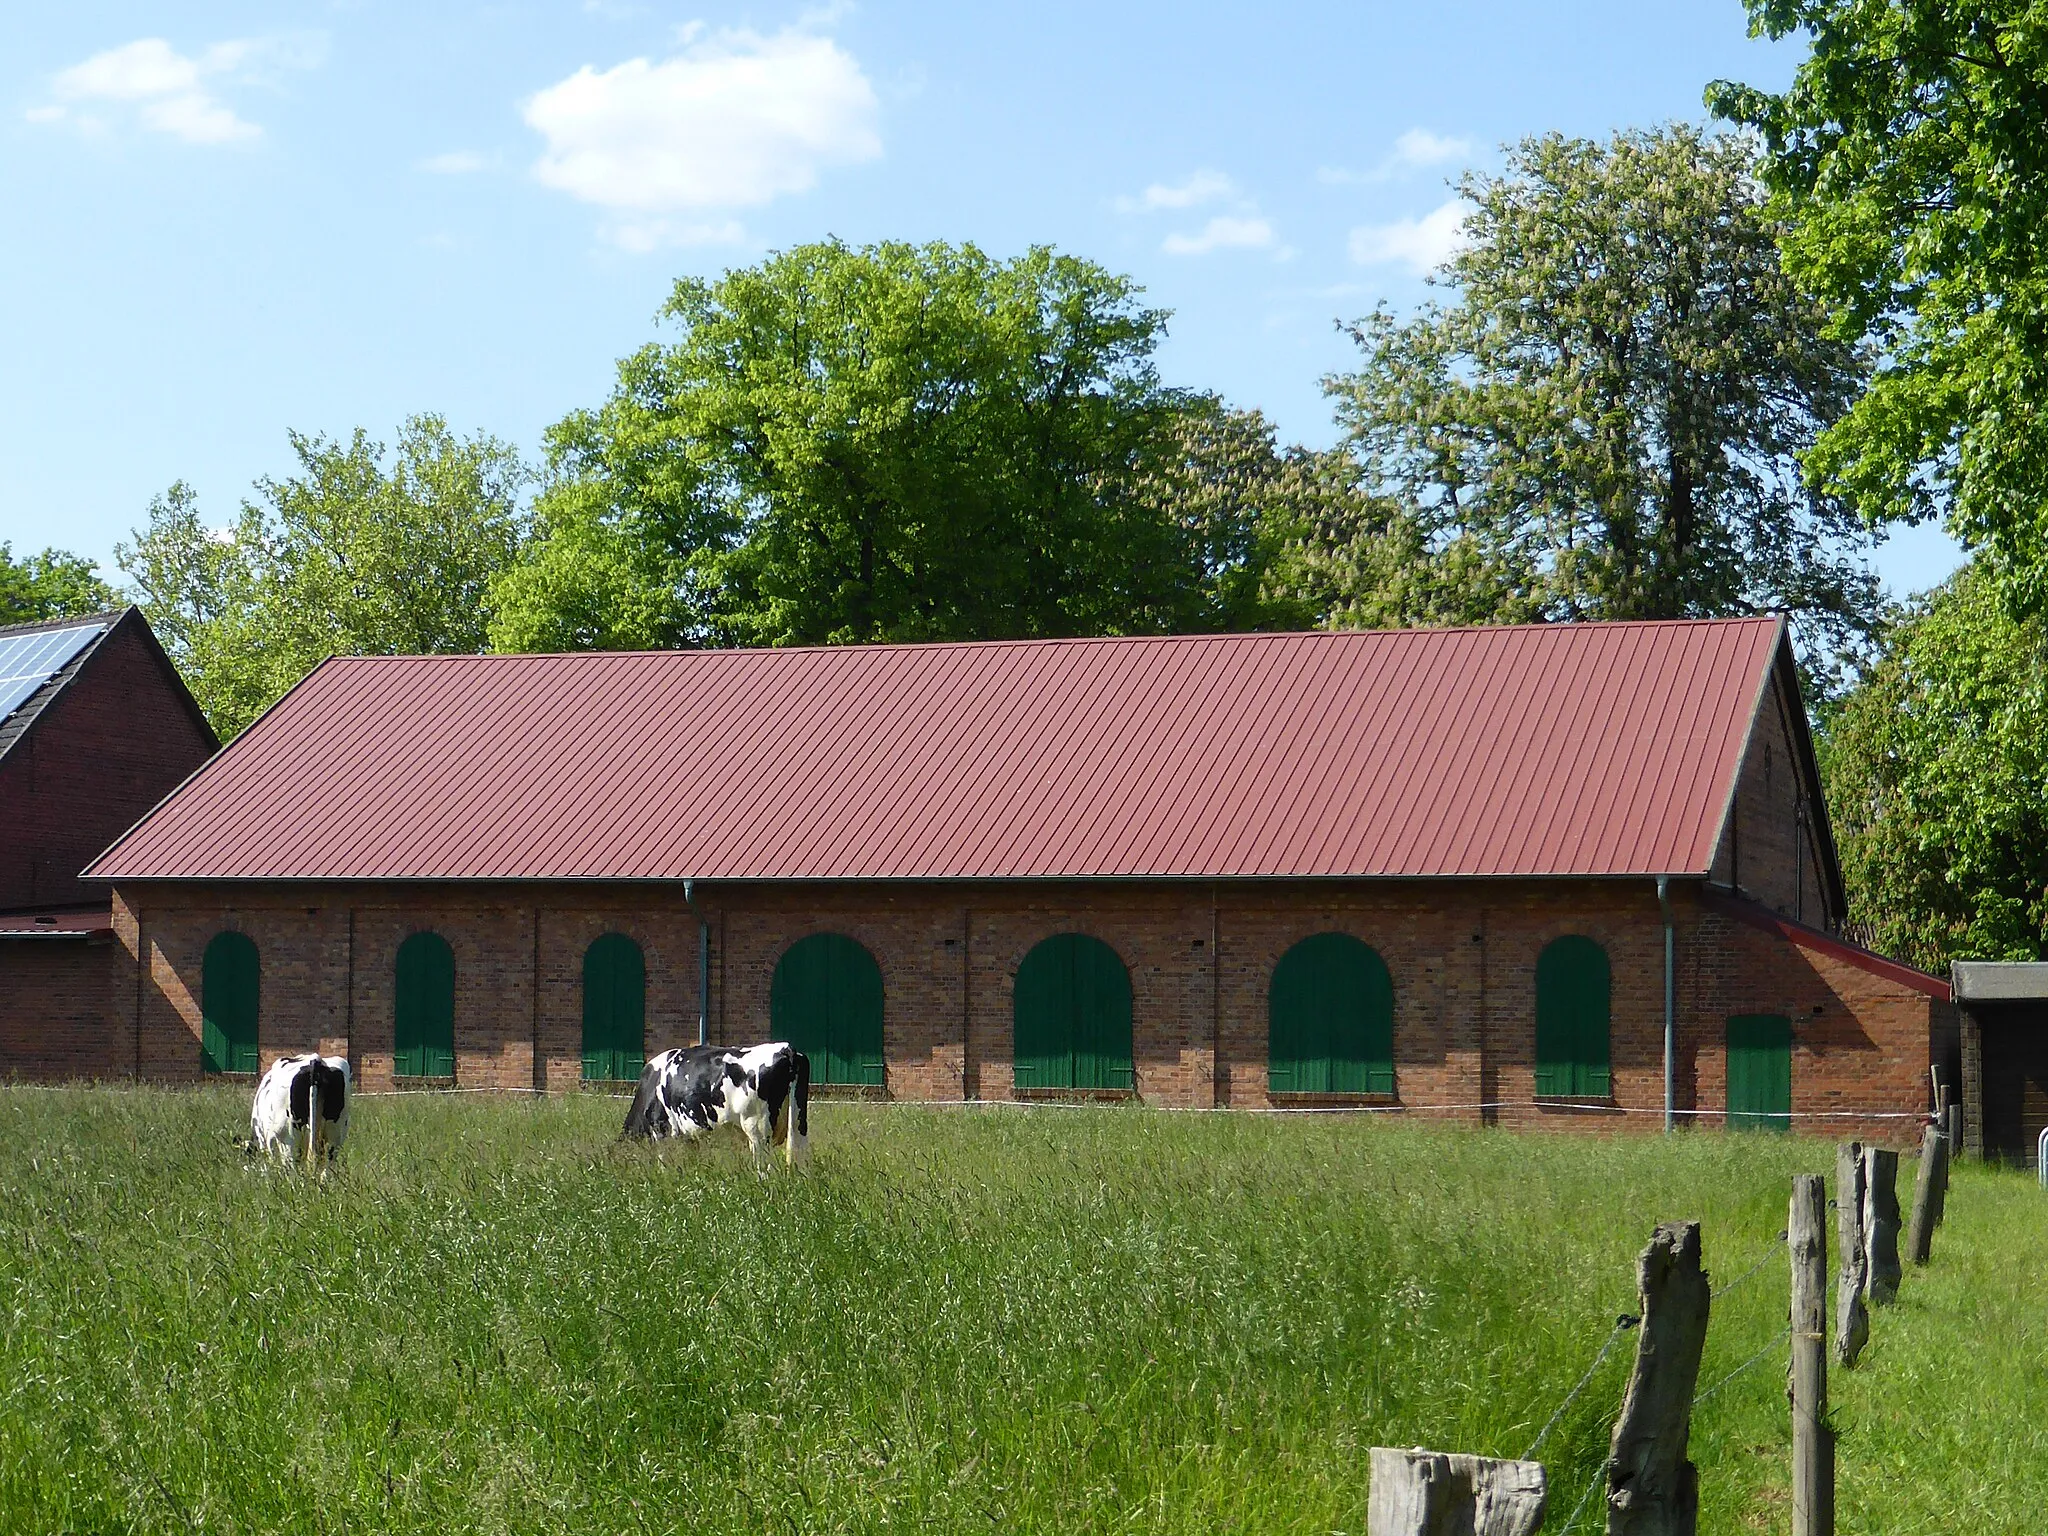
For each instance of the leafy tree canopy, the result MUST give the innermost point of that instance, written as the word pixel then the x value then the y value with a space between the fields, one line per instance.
pixel 50 585
pixel 362 552
pixel 894 442
pixel 1937 781
pixel 1605 420
pixel 1910 155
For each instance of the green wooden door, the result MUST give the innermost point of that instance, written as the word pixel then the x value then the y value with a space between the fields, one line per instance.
pixel 825 999
pixel 1330 1019
pixel 1760 1072
pixel 614 1010
pixel 1573 988
pixel 1072 1016
pixel 230 979
pixel 423 1008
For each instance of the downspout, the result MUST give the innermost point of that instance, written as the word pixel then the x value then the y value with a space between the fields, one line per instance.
pixel 703 963
pixel 1670 1003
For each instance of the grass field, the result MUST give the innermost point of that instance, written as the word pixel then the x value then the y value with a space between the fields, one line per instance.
pixel 493 1318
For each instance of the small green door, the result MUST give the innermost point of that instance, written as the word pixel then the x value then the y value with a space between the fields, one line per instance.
pixel 1573 993
pixel 825 999
pixel 1072 1016
pixel 1330 1019
pixel 423 1008
pixel 614 1010
pixel 1760 1072
pixel 229 984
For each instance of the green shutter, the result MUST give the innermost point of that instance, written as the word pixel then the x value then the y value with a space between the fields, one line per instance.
pixel 1760 1072
pixel 1330 1019
pixel 1072 1017
pixel 614 1009
pixel 825 999
pixel 1573 999
pixel 229 988
pixel 423 1008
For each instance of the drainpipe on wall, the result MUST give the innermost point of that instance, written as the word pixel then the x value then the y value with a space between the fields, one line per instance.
pixel 1670 1004
pixel 703 963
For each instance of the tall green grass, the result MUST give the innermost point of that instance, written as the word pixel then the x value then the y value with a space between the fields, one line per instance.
pixel 494 1318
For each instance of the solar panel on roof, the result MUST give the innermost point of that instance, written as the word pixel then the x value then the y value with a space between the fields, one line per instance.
pixel 29 661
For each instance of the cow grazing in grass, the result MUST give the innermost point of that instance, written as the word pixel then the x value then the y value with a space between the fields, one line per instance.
pixel 301 1109
pixel 764 1089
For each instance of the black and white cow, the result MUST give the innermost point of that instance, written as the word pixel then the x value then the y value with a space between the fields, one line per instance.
pixel 764 1089
pixel 283 1122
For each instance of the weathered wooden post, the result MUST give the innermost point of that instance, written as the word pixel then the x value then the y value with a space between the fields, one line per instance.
pixel 1813 1445
pixel 1652 1489
pixel 1953 1129
pixel 1926 1190
pixel 1852 1317
pixel 1429 1493
pixel 1881 1223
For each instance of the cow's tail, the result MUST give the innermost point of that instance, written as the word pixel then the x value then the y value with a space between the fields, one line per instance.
pixel 799 1108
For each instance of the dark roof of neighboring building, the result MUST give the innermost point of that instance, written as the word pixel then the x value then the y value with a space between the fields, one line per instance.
pixel 1586 749
pixel 51 670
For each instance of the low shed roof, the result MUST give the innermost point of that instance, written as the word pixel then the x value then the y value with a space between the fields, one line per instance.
pixel 1587 749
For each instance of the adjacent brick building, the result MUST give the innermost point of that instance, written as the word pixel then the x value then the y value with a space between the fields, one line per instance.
pixel 1435 871
pixel 95 728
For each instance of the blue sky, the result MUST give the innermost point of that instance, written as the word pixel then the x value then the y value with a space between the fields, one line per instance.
pixel 229 220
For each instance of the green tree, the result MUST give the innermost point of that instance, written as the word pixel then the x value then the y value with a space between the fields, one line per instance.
pixel 1910 156
pixel 888 443
pixel 1936 768
pixel 1605 420
pixel 362 552
pixel 50 585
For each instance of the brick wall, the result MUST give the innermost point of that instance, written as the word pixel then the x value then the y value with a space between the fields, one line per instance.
pixel 55 1009
pixel 111 745
pixel 1462 956
pixel 1768 849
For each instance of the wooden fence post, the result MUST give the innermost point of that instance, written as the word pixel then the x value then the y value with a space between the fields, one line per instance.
pixel 1813 1446
pixel 1926 1190
pixel 1652 1489
pixel 1953 1129
pixel 1881 1222
pixel 1852 1317
pixel 1427 1493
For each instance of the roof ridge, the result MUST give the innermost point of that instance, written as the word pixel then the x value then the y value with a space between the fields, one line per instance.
pixel 1237 636
pixel 106 618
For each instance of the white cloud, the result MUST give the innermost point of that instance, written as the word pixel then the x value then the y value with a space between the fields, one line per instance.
pixel 167 91
pixel 1417 149
pixel 1202 187
pixel 1420 244
pixel 1221 232
pixel 456 162
pixel 733 121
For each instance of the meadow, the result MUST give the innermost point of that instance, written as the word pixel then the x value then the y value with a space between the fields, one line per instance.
pixel 495 1318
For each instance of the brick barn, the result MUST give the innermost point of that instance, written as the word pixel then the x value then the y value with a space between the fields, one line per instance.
pixel 95 727
pixel 1476 873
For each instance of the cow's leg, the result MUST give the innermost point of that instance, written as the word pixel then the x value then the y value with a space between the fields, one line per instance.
pixel 760 1136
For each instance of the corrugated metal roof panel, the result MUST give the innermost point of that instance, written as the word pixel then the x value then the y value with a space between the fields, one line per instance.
pixel 1599 749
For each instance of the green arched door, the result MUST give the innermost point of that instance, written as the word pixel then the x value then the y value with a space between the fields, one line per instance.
pixel 1573 991
pixel 1330 1017
pixel 825 999
pixel 614 1009
pixel 423 1008
pixel 1073 1016
pixel 230 979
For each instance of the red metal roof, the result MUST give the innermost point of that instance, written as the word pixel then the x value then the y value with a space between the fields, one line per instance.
pixel 1592 749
